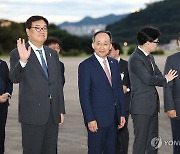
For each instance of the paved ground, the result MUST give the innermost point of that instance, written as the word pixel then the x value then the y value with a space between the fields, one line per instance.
pixel 72 135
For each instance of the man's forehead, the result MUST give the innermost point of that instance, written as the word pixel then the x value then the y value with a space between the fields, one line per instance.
pixel 39 22
pixel 102 36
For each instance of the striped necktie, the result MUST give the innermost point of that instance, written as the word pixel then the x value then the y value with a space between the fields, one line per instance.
pixel 43 63
pixel 106 70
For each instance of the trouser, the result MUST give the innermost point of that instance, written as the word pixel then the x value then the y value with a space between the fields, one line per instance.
pixel 3 117
pixel 145 129
pixel 40 139
pixel 103 141
pixel 175 125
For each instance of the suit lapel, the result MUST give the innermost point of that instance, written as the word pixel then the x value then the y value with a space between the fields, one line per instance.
pixel 113 71
pixel 146 62
pixel 99 68
pixel 34 60
pixel 49 63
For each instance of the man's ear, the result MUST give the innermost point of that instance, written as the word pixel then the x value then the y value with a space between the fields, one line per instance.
pixel 179 43
pixel 110 46
pixel 92 45
pixel 27 31
pixel 118 51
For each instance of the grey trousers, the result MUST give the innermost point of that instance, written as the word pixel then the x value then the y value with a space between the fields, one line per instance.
pixel 145 129
pixel 40 139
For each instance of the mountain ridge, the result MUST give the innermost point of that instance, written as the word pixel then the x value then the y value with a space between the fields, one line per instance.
pixel 164 15
pixel 108 19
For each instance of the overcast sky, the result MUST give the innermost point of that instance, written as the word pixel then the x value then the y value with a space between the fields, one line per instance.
pixel 58 11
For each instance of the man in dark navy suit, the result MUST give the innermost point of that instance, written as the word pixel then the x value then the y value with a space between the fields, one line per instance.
pixel 123 133
pixel 101 96
pixel 6 88
pixel 54 43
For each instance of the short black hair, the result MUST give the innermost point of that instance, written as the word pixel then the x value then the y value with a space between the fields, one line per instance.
pixel 51 40
pixel 102 31
pixel 147 33
pixel 29 21
pixel 116 46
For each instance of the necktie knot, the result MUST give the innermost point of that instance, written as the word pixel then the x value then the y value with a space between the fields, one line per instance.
pixel 40 51
pixel 149 59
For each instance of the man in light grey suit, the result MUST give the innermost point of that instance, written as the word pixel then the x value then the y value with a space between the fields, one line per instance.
pixel 41 102
pixel 172 98
pixel 144 76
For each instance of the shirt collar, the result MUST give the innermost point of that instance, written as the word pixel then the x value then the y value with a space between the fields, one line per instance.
pixel 34 47
pixel 99 58
pixel 146 54
pixel 119 59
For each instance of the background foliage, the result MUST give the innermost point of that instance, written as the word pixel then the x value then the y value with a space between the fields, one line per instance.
pixel 163 14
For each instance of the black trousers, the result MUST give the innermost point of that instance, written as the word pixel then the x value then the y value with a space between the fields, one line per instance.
pixel 175 125
pixel 40 139
pixel 3 118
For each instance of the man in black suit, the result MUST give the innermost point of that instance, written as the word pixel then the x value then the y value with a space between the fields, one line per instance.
pixel 172 98
pixel 145 76
pixel 54 43
pixel 6 88
pixel 41 102
pixel 123 133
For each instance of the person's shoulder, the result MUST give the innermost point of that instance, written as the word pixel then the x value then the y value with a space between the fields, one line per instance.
pixel 112 60
pixel 14 51
pixel 134 56
pixel 46 48
pixel 175 55
pixel 124 61
pixel 87 60
pixel 2 61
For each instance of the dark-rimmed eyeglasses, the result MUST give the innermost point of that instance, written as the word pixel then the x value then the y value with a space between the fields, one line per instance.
pixel 157 42
pixel 38 29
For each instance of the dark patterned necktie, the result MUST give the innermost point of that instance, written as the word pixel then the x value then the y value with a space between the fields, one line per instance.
pixel 149 60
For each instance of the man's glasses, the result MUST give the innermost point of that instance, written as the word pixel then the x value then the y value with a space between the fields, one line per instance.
pixel 38 29
pixel 157 42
